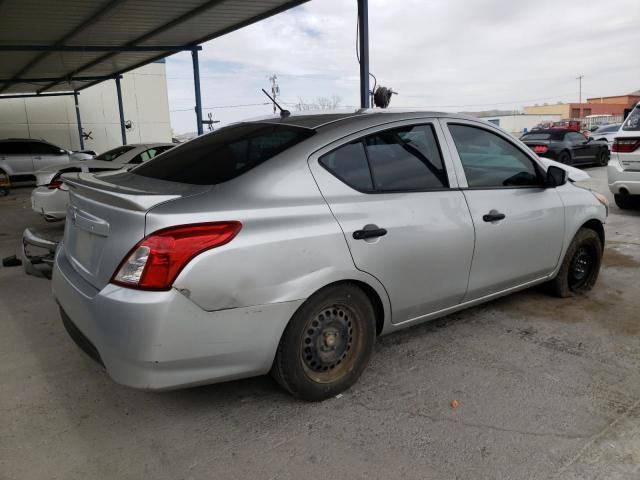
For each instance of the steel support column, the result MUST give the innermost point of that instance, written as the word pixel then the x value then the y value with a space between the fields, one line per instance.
pixel 196 85
pixel 123 130
pixel 77 104
pixel 363 43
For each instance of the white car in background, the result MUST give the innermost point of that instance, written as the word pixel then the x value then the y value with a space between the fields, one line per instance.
pixel 606 133
pixel 624 167
pixel 51 196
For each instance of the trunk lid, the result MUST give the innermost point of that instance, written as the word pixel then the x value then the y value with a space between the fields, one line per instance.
pixel 106 218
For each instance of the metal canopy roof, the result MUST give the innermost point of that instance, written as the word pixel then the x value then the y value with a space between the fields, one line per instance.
pixel 64 45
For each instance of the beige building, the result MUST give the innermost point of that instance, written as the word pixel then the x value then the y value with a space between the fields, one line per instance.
pixel 145 104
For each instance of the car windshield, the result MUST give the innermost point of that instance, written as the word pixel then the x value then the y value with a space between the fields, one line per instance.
pixel 224 154
pixel 633 120
pixel 110 155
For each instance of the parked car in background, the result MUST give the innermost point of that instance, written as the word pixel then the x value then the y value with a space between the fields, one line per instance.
pixel 20 158
pixel 624 168
pixel 574 125
pixel 567 146
pixel 606 133
pixel 50 197
pixel 288 244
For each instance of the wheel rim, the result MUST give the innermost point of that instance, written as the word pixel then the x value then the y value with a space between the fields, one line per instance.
pixel 582 265
pixel 330 343
pixel 604 158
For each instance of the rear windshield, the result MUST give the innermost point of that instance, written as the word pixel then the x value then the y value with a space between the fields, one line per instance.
pixel 537 136
pixel 633 121
pixel 113 153
pixel 223 155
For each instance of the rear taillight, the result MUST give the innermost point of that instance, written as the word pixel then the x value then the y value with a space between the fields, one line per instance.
pixel 540 149
pixel 54 184
pixel 625 145
pixel 155 262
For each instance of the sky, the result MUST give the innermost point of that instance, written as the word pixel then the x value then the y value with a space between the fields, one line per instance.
pixel 446 55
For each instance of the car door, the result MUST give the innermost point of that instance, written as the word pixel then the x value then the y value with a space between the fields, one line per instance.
pixel 47 155
pixel 393 193
pixel 582 148
pixel 519 224
pixel 17 158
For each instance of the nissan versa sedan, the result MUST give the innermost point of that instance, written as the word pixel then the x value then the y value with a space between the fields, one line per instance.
pixel 286 245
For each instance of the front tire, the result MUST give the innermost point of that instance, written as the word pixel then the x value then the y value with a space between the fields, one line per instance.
pixel 580 267
pixel 327 344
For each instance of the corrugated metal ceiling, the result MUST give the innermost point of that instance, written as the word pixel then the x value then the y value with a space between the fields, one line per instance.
pixel 121 23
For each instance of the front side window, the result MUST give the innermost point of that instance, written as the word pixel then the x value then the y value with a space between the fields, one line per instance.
pixel 405 159
pixel 574 137
pixel 224 154
pixel 632 123
pixel 490 161
pixel 41 148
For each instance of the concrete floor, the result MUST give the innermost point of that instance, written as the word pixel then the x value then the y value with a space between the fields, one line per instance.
pixel 547 388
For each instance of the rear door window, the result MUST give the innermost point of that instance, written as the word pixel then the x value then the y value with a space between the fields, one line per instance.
pixel 15 148
pixel 490 161
pixel 406 159
pixel 224 154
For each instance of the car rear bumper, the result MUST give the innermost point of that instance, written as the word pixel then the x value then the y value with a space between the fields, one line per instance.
pixel 50 203
pixel 627 181
pixel 162 340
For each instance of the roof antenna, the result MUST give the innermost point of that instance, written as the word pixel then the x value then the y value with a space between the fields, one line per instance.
pixel 283 113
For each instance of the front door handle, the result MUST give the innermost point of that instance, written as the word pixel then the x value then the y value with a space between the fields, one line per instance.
pixel 493 216
pixel 369 231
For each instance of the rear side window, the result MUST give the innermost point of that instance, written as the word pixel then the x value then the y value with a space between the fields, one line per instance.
pixel 224 154
pixel 109 155
pixel 405 159
pixel 490 161
pixel 15 148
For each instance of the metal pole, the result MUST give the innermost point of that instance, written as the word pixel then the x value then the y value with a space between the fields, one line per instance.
pixel 123 130
pixel 75 101
pixel 363 39
pixel 196 84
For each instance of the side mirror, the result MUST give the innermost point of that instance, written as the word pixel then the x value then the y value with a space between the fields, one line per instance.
pixel 556 177
pixel 589 139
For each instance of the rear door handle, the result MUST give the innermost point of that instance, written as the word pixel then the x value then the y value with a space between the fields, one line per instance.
pixel 369 231
pixel 493 216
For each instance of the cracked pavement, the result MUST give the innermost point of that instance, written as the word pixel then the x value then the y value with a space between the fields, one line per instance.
pixel 547 388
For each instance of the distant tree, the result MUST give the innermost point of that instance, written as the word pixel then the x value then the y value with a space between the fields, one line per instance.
pixel 321 103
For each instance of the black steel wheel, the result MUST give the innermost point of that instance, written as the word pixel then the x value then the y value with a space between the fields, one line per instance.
pixel 328 343
pixel 581 265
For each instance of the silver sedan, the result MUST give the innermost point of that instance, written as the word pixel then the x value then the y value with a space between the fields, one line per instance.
pixel 286 245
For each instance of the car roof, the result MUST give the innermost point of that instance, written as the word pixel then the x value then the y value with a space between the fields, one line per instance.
pixel 24 140
pixel 550 130
pixel 317 121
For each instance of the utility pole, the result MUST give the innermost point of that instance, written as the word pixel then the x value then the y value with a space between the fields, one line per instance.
pixel 275 90
pixel 580 88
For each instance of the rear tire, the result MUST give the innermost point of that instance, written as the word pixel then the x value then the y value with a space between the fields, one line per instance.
pixel 580 267
pixel 625 202
pixel 565 158
pixel 327 344
pixel 603 158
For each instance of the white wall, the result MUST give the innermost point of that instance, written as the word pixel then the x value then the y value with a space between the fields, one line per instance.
pixel 515 124
pixel 145 104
